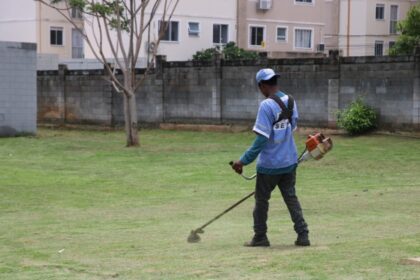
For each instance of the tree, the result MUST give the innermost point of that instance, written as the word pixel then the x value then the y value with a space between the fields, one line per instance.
pixel 119 25
pixel 410 33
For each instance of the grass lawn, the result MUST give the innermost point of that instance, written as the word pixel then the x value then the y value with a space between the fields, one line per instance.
pixel 79 205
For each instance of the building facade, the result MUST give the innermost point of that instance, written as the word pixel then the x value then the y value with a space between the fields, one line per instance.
pixel 56 35
pixel 194 26
pixel 282 28
pixel 288 27
pixel 18 21
pixel 31 22
pixel 199 25
pixel 369 27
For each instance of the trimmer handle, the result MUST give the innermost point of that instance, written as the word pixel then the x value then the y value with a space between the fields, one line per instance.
pixel 243 176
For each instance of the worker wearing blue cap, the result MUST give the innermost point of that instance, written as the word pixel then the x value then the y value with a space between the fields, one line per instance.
pixel 277 161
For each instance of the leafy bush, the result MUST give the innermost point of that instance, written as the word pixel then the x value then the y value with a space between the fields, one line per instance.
pixel 358 118
pixel 205 55
pixel 230 52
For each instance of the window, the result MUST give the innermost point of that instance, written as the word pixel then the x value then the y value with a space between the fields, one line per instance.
pixel 76 44
pixel 380 11
pixel 379 48
pixel 220 33
pixel 56 36
pixel 303 38
pixel 193 28
pixel 76 13
pixel 171 32
pixel 391 44
pixel 257 35
pixel 393 19
pixel 281 34
pixel 264 4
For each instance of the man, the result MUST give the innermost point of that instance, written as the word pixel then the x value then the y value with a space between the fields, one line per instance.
pixel 277 161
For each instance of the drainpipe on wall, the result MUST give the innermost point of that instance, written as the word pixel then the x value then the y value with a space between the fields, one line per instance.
pixel 348 26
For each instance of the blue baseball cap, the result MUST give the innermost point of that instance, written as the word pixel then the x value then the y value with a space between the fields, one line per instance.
pixel 265 75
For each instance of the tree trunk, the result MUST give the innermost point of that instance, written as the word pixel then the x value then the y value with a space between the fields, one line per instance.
pixel 130 116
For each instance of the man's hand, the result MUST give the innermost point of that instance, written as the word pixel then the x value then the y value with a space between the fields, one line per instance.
pixel 237 166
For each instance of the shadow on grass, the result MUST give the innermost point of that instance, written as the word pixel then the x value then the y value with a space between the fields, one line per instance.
pixel 290 247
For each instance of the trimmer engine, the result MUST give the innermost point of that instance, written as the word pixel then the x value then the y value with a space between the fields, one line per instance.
pixel 316 147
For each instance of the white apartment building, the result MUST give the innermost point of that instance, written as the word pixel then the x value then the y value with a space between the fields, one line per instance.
pixel 29 21
pixel 56 35
pixel 195 25
pixel 198 25
pixel 18 21
pixel 369 27
pixel 280 27
pixel 285 28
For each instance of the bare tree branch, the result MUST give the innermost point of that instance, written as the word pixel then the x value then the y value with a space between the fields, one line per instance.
pixel 119 36
pixel 140 37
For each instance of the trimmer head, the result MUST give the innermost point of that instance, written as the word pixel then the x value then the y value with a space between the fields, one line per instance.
pixel 194 237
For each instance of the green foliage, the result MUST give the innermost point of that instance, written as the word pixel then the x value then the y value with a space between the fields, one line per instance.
pixel 80 4
pixel 410 33
pixel 230 52
pixel 205 55
pixel 113 11
pixel 358 118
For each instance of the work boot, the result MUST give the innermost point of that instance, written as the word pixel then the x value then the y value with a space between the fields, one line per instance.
pixel 258 241
pixel 302 239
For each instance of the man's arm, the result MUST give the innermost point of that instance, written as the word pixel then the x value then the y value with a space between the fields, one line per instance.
pixel 263 127
pixel 295 117
pixel 251 154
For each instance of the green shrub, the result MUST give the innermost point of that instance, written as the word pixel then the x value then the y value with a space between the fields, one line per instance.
pixel 358 118
pixel 205 55
pixel 230 52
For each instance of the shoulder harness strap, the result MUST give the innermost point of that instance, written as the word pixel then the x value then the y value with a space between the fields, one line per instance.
pixel 286 112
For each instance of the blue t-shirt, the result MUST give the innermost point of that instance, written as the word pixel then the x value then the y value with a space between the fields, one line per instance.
pixel 280 151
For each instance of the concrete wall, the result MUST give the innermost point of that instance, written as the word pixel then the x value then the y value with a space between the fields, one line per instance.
pixel 225 92
pixel 17 88
pixel 86 97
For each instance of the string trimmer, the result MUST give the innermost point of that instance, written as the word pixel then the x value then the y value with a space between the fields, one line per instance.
pixel 316 146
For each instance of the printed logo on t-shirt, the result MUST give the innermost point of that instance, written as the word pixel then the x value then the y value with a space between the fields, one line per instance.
pixel 281 125
pixel 280 131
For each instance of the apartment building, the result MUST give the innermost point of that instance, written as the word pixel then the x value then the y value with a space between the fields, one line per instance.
pixel 194 26
pixel 55 35
pixel 369 27
pixel 285 28
pixel 29 21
